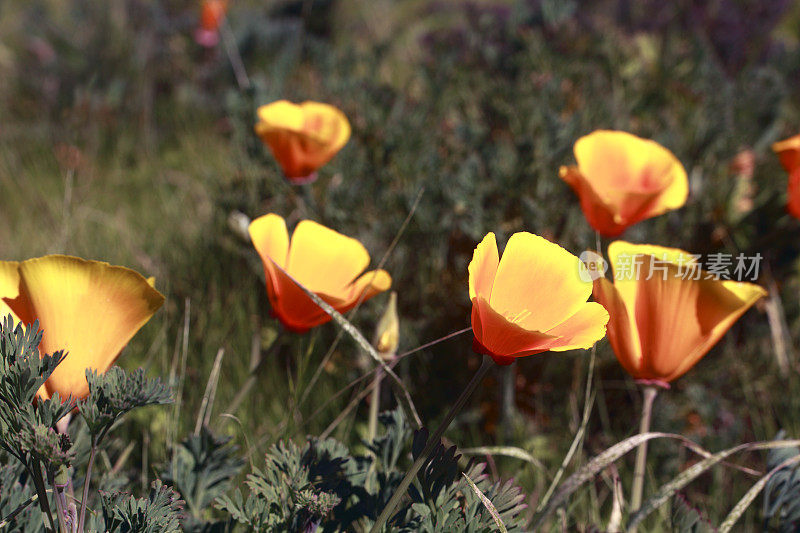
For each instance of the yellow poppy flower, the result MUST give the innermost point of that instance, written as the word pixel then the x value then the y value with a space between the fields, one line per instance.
pixel 90 309
pixel 531 301
pixel 666 313
pixel 302 137
pixel 622 179
pixel 322 260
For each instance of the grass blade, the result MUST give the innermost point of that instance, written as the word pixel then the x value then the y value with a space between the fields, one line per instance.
pixel 401 391
pixel 488 504
pixel 751 494
pixel 592 468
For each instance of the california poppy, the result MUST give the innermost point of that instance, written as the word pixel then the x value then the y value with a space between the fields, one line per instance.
pixel 531 301
pixel 666 312
pixel 90 309
pixel 622 179
pixel 302 137
pixel 322 260
pixel 788 152
pixel 212 13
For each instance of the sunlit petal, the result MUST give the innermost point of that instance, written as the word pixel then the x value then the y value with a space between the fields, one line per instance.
pixel 88 308
pixel 538 284
pixel 483 267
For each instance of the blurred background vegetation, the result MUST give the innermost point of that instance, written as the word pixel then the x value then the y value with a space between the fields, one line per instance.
pixel 122 139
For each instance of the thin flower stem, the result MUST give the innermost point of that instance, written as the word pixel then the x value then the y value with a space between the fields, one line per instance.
pixel 85 495
pixel 374 406
pixel 588 402
pixel 58 497
pixel 650 392
pixel 433 440
pixel 232 51
pixel 36 474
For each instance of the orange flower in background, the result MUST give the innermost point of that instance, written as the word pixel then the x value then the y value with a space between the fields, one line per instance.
pixel 322 260
pixel 302 137
pixel 788 152
pixel 622 179
pixel 90 309
pixel 662 326
pixel 212 13
pixel 531 301
pixel 793 205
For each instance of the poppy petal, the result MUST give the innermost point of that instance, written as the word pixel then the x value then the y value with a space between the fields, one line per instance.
pixel 369 284
pixel 503 338
pixel 622 332
pixel 581 330
pixel 538 283
pixel 314 245
pixel 88 308
pixel 483 267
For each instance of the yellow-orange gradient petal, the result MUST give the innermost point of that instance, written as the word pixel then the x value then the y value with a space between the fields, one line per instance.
pixel 483 267
pixel 538 283
pixel 271 240
pixel 581 330
pixel 324 260
pixel 503 340
pixel 621 331
pixel 88 308
pixel 788 151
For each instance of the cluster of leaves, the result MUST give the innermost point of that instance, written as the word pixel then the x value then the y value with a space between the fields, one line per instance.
pixel 781 508
pixel 321 486
pixel 39 454
pixel 159 512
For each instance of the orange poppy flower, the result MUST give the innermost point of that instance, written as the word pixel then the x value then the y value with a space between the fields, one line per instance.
pixel 793 205
pixel 622 179
pixel 212 13
pixel 662 326
pixel 531 301
pixel 788 151
pixel 322 260
pixel 302 137
pixel 89 309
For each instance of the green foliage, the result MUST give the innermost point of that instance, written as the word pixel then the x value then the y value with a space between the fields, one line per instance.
pixel 116 392
pixel 159 512
pixel 24 418
pixel 202 469
pixel 320 485
pixel 16 497
pixel 781 507
pixel 289 494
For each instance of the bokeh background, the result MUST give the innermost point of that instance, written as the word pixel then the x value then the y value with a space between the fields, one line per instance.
pixel 122 139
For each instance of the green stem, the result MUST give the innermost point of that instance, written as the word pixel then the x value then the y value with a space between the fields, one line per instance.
pixel 650 392
pixel 433 440
pixel 374 406
pixel 85 495
pixel 58 497
pixel 36 474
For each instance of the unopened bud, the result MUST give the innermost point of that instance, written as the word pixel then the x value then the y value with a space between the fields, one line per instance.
pixel 387 332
